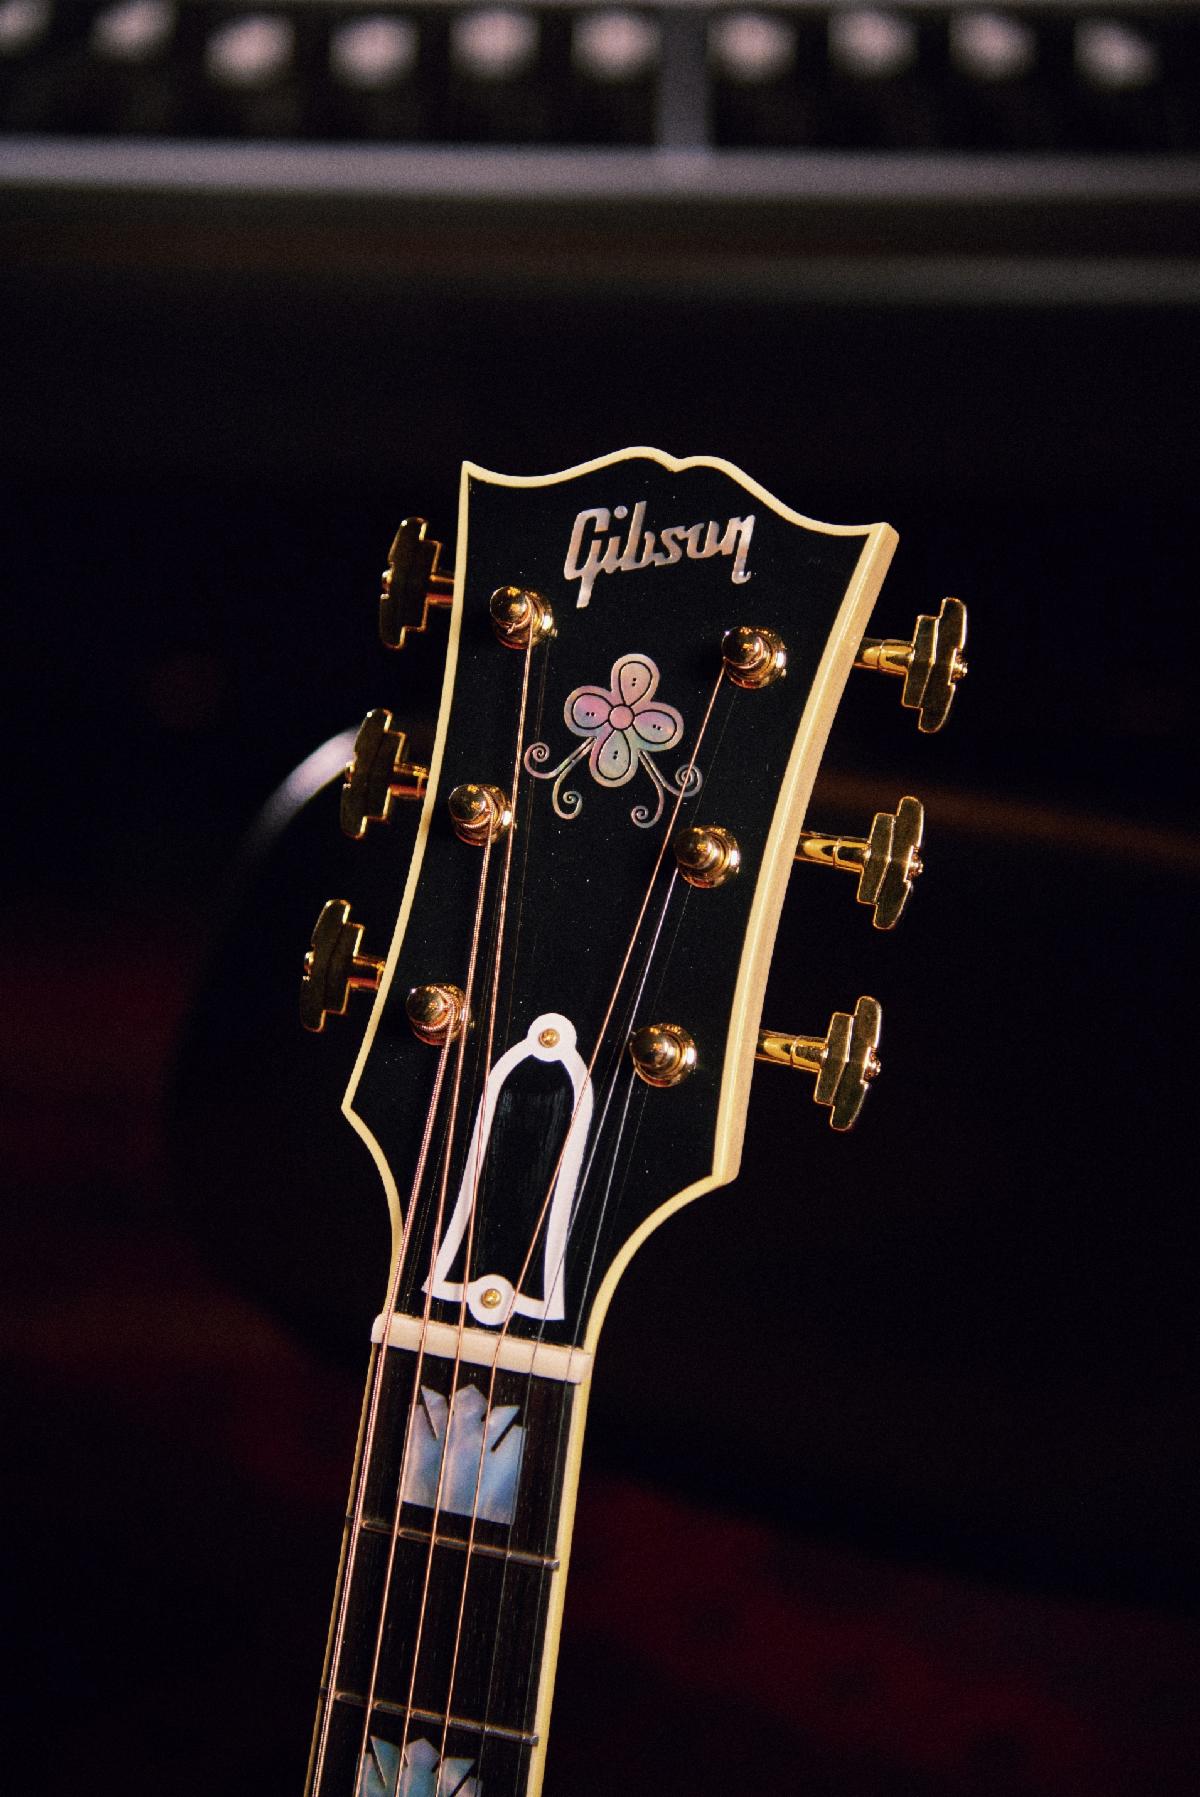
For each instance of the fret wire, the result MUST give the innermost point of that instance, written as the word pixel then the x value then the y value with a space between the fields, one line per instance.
pixel 524 1737
pixel 374 1525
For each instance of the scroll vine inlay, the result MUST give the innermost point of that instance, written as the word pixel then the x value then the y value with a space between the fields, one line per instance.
pixel 622 726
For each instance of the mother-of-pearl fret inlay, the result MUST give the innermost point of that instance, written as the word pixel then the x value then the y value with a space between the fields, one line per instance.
pixel 417 1772
pixel 476 1454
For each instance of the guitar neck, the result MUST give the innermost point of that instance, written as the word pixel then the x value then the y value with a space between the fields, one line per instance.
pixel 450 1635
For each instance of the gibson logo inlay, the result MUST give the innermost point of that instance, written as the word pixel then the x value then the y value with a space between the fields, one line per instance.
pixel 591 553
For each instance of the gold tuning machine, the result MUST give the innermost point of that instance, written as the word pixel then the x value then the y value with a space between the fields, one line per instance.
pixel 335 966
pixel 931 665
pixel 377 775
pixel 412 582
pixel 886 862
pixel 844 1060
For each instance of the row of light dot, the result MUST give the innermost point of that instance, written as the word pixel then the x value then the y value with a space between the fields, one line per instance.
pixel 500 44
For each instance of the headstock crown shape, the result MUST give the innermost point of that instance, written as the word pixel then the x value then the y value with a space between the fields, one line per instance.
pixel 645 656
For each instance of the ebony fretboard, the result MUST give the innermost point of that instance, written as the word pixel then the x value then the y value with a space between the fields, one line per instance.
pixel 490 1587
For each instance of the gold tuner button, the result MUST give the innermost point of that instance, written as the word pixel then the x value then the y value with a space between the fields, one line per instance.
pixel 436 1013
pixel 335 966
pixel 377 775
pixel 754 657
pixel 886 862
pixel 707 856
pixel 412 582
pixel 931 665
pixel 520 617
pixel 844 1060
pixel 662 1053
pixel 479 814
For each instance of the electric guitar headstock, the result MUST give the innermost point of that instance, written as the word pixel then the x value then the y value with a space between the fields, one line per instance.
pixel 645 656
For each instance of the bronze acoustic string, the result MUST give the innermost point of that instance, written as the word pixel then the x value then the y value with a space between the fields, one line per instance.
pixel 685 791
pixel 612 1079
pixel 397 1512
pixel 616 1057
pixel 363 1461
pixel 497 963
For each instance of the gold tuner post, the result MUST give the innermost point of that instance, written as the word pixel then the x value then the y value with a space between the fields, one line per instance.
pixel 844 1061
pixel 377 775
pixel 662 1053
pixel 412 582
pixel 436 1013
pixel 930 665
pixel 335 966
pixel 479 813
pixel 706 856
pixel 886 862
pixel 520 617
pixel 754 657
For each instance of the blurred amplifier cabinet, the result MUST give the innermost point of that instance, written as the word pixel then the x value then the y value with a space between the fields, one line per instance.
pixel 765 136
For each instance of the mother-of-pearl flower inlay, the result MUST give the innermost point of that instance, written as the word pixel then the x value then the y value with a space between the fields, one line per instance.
pixel 622 726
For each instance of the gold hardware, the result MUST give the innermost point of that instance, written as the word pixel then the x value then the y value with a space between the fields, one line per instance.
pixel 490 1298
pixel 377 775
pixel 844 1060
pixel 335 966
pixel 663 1053
pixel 753 658
pixel 436 1013
pixel 479 813
pixel 931 664
pixel 707 856
pixel 886 861
pixel 548 1038
pixel 520 617
pixel 412 582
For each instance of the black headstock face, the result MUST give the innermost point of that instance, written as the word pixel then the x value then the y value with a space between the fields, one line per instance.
pixel 531 1139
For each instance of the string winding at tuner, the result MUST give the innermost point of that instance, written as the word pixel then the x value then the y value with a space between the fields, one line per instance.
pixel 581 1003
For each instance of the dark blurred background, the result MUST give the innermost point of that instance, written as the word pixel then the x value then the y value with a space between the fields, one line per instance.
pixel 269 274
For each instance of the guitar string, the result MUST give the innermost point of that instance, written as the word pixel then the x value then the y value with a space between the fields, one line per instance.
pixel 568 1399
pixel 564 1405
pixel 362 1470
pixel 479 1148
pixel 496 952
pixel 443 1184
pixel 378 1367
pixel 537 1230
pixel 611 1077
pixel 683 792
pixel 612 1002
pixel 523 848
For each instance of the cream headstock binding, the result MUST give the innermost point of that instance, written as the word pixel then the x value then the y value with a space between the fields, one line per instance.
pixel 645 657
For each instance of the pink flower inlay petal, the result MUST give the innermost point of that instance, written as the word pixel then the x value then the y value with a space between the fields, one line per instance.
pixel 613 759
pixel 658 725
pixel 587 710
pixel 634 678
